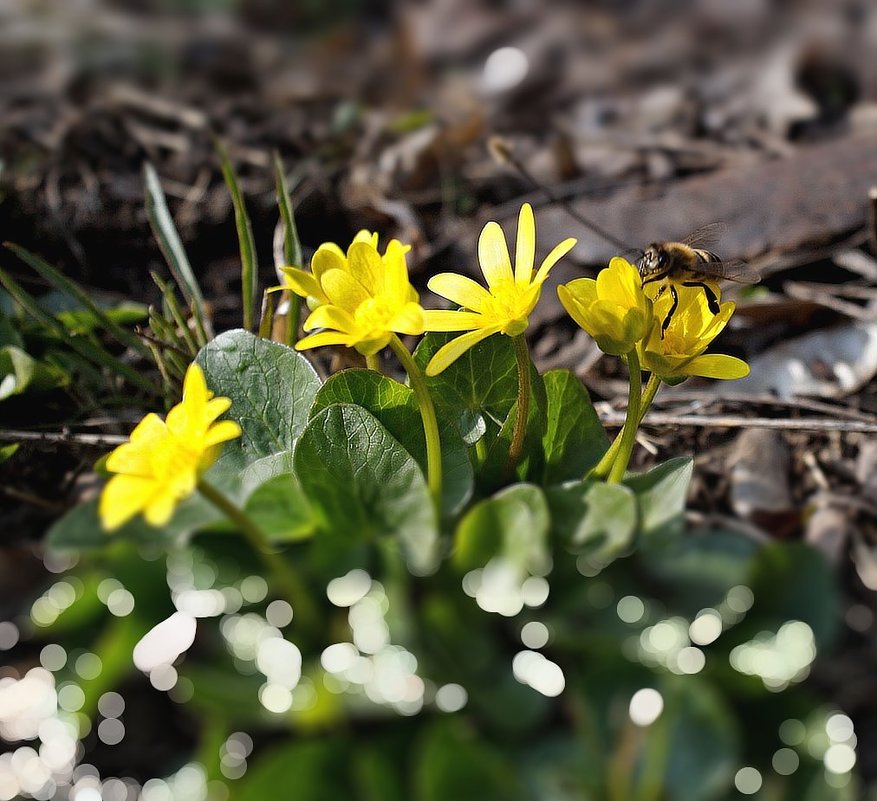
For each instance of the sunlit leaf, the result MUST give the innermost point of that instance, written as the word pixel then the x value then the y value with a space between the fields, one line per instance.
pixel 362 483
pixel 574 438
pixel 395 405
pixel 271 388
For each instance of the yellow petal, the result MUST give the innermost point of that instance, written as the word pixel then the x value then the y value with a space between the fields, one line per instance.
pixel 446 355
pixel 396 281
pixel 328 257
pixel 195 390
pixel 441 320
pixel 323 339
pixel 525 246
pixel 302 283
pixel 344 290
pixel 216 407
pixel 556 254
pixel 366 266
pixel 493 255
pixel 717 365
pixel 160 509
pixel 122 498
pixel 408 320
pixel 332 317
pixel 223 431
pixel 460 290
pixel 369 347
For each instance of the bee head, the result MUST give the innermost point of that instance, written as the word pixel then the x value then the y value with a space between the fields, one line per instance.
pixel 651 261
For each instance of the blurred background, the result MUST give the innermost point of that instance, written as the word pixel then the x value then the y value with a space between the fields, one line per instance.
pixel 649 117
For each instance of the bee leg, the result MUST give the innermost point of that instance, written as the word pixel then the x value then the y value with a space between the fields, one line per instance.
pixel 666 323
pixel 655 277
pixel 711 299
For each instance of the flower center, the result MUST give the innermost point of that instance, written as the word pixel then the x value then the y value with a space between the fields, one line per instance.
pixel 507 305
pixel 374 314
pixel 175 459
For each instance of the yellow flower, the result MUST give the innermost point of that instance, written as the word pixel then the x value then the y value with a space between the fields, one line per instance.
pixel 506 304
pixel 680 351
pixel 361 299
pixel 330 257
pixel 160 464
pixel 613 309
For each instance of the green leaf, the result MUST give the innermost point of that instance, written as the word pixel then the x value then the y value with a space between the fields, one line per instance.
pixel 171 246
pixel 91 315
pixel 85 347
pixel 574 438
pixel 80 528
pixel 662 493
pixel 594 518
pixel 792 581
pixel 513 524
pixel 281 510
pixel 395 405
pixel 362 483
pixel 483 381
pixel 20 372
pixel 453 763
pixel 311 770
pixel 703 742
pixel 249 266
pixel 699 567
pixel 493 473
pixel 271 388
pixel 8 451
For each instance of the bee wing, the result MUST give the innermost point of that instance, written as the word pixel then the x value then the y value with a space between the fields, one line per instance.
pixel 730 270
pixel 706 235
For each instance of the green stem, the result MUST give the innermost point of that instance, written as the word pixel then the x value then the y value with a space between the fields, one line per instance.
pixel 373 362
pixel 293 317
pixel 601 471
pixel 430 424
pixel 522 358
pixel 654 764
pixel 281 571
pixel 631 422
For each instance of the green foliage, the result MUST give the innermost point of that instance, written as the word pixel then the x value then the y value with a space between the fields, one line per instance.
pixel 363 484
pixel 484 642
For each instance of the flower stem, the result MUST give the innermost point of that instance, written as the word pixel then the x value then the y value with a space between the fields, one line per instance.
pixel 601 471
pixel 281 571
pixel 373 362
pixel 430 424
pixel 522 357
pixel 631 422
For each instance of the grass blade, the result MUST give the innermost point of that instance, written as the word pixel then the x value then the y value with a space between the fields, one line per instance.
pixel 249 265
pixel 88 350
pixel 172 249
pixel 71 288
pixel 172 307
pixel 291 247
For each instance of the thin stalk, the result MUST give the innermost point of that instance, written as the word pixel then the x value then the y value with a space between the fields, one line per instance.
pixel 631 423
pixel 654 764
pixel 373 362
pixel 291 247
pixel 173 309
pixel 430 424
pixel 522 358
pixel 281 571
pixel 601 471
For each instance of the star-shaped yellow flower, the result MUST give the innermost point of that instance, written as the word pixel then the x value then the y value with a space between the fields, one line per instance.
pixel 361 299
pixel 613 309
pixel 680 351
pixel 160 464
pixel 505 305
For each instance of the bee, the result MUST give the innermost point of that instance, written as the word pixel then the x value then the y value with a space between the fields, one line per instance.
pixel 689 263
